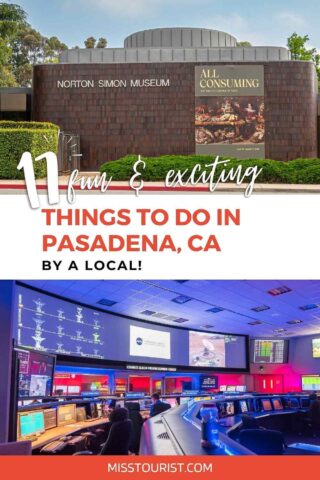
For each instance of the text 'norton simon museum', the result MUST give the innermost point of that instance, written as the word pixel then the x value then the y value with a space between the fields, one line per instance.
pixel 181 91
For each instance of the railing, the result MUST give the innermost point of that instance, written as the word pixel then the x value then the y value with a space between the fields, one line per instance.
pixel 69 155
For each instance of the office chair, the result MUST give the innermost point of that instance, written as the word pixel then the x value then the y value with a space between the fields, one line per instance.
pixel 160 408
pixel 16 448
pixel 314 414
pixel 263 442
pixel 249 423
pixel 118 440
pixel 94 439
pixel 137 422
pixel 308 423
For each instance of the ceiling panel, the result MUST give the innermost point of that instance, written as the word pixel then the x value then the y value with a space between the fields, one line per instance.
pixel 235 297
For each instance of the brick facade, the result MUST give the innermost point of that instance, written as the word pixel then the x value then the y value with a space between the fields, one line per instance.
pixel 113 122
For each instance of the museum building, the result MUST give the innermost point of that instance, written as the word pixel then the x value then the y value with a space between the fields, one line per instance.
pixel 180 91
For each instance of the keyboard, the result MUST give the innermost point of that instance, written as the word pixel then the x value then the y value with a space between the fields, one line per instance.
pixel 75 440
pixel 53 446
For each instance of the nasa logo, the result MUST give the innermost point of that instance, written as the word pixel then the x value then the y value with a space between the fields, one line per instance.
pixel 139 341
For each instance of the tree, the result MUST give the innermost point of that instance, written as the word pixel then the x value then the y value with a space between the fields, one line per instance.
pixel 27 47
pixel 52 49
pixel 299 50
pixel 11 18
pixel 23 74
pixel 7 79
pixel 90 42
pixel 244 44
pixel 102 43
pixel 21 47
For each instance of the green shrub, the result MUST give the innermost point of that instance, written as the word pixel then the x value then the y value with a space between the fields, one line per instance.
pixel 33 125
pixel 15 141
pixel 301 170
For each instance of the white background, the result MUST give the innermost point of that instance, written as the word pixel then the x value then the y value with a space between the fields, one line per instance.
pixel 158 348
pixel 279 237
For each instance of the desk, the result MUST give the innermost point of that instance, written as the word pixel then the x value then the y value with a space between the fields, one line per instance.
pixel 184 431
pixel 58 432
pixel 229 424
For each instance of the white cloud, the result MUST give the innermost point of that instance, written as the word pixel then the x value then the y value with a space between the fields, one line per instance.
pixel 290 19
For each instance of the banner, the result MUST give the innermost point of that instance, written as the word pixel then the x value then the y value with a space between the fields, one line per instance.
pixel 230 111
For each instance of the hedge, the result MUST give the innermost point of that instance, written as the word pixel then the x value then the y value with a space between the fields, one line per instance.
pixel 33 125
pixel 15 141
pixel 299 171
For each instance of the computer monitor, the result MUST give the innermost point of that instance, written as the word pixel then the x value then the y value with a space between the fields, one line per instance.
pixel 229 408
pixel 35 373
pixel 147 404
pixel 66 414
pixel 277 405
pixel 305 402
pixel 266 405
pixel 293 402
pixel 310 383
pixel 184 400
pixel 93 410
pixel 31 423
pixel 316 347
pixel 81 414
pixel 141 402
pixel 60 390
pixel 172 402
pixel 99 409
pixel 243 406
pixel 50 418
pixel 269 350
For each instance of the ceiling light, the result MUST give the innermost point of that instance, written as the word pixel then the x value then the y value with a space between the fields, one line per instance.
pixel 279 291
pixel 171 318
pixel 181 299
pixel 215 310
pixel 159 315
pixel 106 302
pixel 262 308
pixel 311 306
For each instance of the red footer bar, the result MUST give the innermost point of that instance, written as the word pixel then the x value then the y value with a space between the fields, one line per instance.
pixel 155 468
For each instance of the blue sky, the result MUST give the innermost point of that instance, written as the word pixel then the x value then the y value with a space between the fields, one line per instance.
pixel 258 21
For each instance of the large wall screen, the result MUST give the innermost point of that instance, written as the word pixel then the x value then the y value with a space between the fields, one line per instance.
pixel 310 383
pixel 267 350
pixel 316 347
pixel 35 374
pixel 49 324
